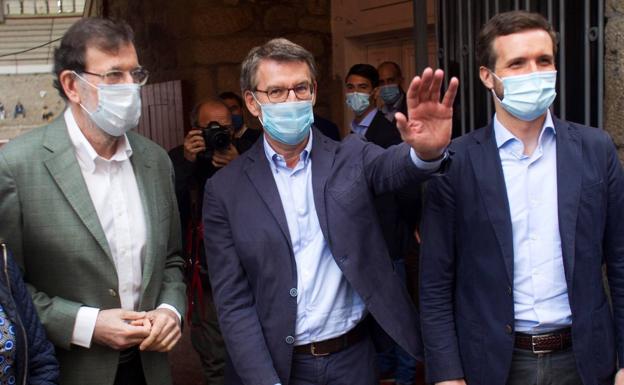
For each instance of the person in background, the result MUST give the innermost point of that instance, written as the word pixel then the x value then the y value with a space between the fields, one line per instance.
pixel 243 135
pixel 193 165
pixel 398 212
pixel 361 85
pixel 26 354
pixel 391 90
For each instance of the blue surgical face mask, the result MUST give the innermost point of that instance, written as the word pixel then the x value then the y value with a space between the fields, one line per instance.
pixel 118 109
pixel 237 121
pixel 528 96
pixel 389 93
pixel 358 102
pixel 287 122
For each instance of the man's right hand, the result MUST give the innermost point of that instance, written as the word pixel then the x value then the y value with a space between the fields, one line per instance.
pixel 193 145
pixel 452 382
pixel 120 329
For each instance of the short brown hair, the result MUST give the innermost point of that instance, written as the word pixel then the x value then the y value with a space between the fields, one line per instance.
pixel 504 24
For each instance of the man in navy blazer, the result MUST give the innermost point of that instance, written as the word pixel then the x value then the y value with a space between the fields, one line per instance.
pixel 516 233
pixel 296 256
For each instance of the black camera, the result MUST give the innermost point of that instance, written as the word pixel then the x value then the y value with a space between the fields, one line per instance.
pixel 216 137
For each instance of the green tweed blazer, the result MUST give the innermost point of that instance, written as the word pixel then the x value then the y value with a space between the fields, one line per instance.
pixel 48 220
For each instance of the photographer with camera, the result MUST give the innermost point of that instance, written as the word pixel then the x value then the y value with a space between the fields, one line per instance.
pixel 208 146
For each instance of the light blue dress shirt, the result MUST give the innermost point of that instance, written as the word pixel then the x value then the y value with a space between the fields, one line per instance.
pixel 540 291
pixel 327 305
pixel 362 126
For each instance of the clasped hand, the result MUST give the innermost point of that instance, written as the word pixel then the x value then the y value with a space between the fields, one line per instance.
pixel 155 330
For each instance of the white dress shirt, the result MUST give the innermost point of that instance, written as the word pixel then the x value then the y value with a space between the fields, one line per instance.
pixel 115 195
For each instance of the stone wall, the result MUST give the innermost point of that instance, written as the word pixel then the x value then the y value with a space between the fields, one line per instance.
pixel 34 92
pixel 203 42
pixel 614 72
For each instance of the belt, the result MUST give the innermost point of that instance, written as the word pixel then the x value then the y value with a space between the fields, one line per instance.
pixel 336 344
pixel 545 343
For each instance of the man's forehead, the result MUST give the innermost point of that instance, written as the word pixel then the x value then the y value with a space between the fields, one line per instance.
pixel 518 44
pixel 387 70
pixel 358 80
pixel 213 110
pixel 122 55
pixel 273 72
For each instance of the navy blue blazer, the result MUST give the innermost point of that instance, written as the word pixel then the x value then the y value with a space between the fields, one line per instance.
pixel 252 265
pixel 466 294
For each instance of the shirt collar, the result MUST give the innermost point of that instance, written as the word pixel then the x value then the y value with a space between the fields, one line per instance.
pixel 365 122
pixel 503 135
pixel 85 153
pixel 277 161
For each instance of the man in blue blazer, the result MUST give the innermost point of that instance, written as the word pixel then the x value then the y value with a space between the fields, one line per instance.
pixel 516 233
pixel 296 256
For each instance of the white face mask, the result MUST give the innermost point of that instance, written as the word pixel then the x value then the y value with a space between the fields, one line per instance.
pixel 118 109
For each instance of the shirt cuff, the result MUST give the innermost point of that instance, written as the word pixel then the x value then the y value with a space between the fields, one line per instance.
pixel 173 309
pixel 427 165
pixel 84 326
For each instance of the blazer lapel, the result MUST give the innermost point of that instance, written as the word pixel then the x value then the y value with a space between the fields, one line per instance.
pixel 569 164
pixel 491 183
pixel 259 173
pixel 146 180
pixel 65 171
pixel 323 151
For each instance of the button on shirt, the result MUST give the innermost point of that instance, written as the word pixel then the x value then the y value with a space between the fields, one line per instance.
pixel 540 292
pixel 362 126
pixel 327 305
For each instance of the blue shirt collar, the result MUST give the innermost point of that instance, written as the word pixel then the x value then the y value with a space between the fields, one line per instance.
pixel 362 126
pixel 277 161
pixel 503 135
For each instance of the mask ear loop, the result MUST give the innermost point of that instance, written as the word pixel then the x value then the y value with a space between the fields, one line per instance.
pixel 253 95
pixel 492 89
pixel 92 85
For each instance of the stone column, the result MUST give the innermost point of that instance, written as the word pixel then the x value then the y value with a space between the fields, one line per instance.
pixel 614 73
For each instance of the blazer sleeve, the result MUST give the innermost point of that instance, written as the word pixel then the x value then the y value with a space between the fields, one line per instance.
pixel 392 169
pixel 437 269
pixel 43 369
pixel 234 300
pixel 614 242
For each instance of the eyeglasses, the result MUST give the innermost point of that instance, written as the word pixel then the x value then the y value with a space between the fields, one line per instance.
pixel 302 91
pixel 139 76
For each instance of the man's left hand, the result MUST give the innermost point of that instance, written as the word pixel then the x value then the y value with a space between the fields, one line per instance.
pixel 619 377
pixel 428 124
pixel 165 332
pixel 223 157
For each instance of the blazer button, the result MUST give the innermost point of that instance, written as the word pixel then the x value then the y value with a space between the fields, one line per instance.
pixel 290 340
pixel 112 292
pixel 508 329
pixel 509 291
pixel 293 292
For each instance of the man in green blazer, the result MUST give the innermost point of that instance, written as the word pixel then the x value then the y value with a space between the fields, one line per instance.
pixel 90 212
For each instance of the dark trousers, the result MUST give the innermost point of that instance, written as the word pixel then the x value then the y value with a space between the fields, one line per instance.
pixel 557 368
pixel 353 365
pixel 207 340
pixel 130 370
